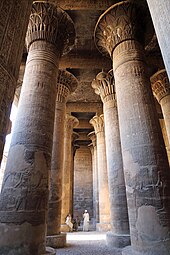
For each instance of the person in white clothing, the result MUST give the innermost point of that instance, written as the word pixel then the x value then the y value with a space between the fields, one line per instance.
pixel 69 223
pixel 86 221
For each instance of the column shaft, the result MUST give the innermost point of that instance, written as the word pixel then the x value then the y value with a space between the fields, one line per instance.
pixel 160 16
pixel 144 156
pixel 25 186
pixel 13 25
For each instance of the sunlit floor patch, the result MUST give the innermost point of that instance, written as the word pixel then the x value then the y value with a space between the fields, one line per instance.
pixel 88 236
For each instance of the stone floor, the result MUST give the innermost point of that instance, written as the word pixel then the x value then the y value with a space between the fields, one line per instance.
pixel 90 243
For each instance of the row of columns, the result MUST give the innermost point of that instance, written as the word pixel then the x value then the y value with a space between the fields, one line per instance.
pixel 143 159
pixel 120 34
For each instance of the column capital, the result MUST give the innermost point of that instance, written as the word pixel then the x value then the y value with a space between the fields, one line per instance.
pixel 71 122
pixel 122 22
pixel 104 86
pixel 50 23
pixel 66 84
pixel 160 84
pixel 98 123
pixel 91 147
pixel 92 137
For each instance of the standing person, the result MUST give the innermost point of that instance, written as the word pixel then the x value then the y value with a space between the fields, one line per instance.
pixel 86 221
pixel 69 223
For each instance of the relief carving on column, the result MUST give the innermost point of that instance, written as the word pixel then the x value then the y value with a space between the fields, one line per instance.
pixel 104 86
pixel 160 84
pixel 121 22
pixel 52 24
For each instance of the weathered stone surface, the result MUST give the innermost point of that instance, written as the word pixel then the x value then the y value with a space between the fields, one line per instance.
pixel 70 123
pixel 104 203
pixel 83 179
pixel 146 177
pixel 65 84
pixel 162 28
pixel 56 241
pixel 24 196
pixel 13 25
pixel 161 90
pixel 119 237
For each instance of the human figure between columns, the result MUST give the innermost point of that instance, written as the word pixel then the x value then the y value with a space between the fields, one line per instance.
pixel 66 84
pixel 120 32
pixel 24 196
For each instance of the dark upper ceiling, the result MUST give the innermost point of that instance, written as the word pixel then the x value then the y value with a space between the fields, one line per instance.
pixel 84 61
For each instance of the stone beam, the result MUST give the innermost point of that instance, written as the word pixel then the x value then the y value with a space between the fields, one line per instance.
pixel 83 4
pixel 85 62
pixel 84 107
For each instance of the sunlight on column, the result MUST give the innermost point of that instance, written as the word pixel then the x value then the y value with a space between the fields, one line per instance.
pixel 7 144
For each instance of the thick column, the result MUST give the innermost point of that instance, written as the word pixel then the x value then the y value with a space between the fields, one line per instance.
pixel 146 169
pixel 119 236
pixel 161 90
pixel 24 196
pixel 13 26
pixel 104 203
pixel 160 15
pixel 70 123
pixel 66 83
pixel 92 137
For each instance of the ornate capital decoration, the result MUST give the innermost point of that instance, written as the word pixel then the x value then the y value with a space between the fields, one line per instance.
pixel 50 23
pixel 66 83
pixel 71 122
pixel 75 136
pixel 122 22
pixel 92 137
pixel 104 86
pixel 98 123
pixel 160 84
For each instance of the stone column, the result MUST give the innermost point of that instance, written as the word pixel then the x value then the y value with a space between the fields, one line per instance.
pixel 160 16
pixel 104 204
pixel 120 31
pixel 70 123
pixel 161 90
pixel 24 196
pixel 92 137
pixel 13 26
pixel 119 236
pixel 75 136
pixel 66 84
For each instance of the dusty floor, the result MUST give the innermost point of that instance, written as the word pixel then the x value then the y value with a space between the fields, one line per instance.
pixel 90 243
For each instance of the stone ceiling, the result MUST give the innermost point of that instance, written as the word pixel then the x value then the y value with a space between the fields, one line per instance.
pixel 84 61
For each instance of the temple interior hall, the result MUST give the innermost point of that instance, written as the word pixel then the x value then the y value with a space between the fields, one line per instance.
pixel 84 127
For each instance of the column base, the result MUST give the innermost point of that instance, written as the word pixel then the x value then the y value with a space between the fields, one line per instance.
pixel 117 241
pixel 103 227
pixel 56 241
pixel 49 251
pixel 64 228
pixel 152 251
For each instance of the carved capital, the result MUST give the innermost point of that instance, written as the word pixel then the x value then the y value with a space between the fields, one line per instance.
pixel 160 84
pixel 92 137
pixel 119 23
pixel 71 122
pixel 98 123
pixel 104 86
pixel 66 83
pixel 50 23
pixel 75 136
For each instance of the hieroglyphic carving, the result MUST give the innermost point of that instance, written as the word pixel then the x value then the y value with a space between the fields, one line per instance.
pixel 104 86
pixel 119 23
pixel 52 24
pixel 160 84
